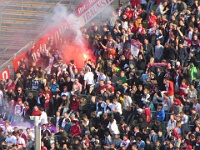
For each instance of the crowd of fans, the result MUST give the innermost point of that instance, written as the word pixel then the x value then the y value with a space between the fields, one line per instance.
pixel 120 101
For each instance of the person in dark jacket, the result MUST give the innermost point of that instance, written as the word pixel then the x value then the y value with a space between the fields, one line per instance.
pixel 182 55
pixel 141 64
pixel 31 101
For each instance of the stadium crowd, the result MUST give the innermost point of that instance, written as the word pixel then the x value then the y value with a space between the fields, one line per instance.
pixel 141 98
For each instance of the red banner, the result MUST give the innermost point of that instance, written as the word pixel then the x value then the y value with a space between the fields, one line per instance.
pixel 88 9
pixel 84 6
pixel 16 61
pixel 5 74
pixel 39 47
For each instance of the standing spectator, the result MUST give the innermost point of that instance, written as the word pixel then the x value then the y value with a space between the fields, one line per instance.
pixel 169 85
pixel 19 110
pixel 158 51
pixel 161 10
pixel 45 131
pixel 20 94
pixel 43 117
pixel 11 107
pixel 88 80
pixel 31 101
pixel 127 104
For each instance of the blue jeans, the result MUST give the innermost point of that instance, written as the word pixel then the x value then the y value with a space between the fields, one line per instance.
pixel 150 5
pixel 18 118
pixel 11 117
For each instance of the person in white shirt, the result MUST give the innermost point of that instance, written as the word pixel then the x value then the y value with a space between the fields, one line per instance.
pixel 65 92
pixel 100 75
pixel 184 118
pixel 160 9
pixel 20 141
pixel 66 116
pixel 112 126
pixel 196 106
pixel 29 133
pixel 125 142
pixel 1 98
pixel 19 110
pixel 88 80
pixel 43 117
pixel 10 139
pixel 8 127
pixel 116 110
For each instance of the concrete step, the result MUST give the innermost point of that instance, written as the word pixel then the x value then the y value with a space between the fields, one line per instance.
pixel 23 16
pixel 34 6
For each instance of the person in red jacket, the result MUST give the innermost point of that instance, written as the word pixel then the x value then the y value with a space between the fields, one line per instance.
pixel 36 111
pixel 129 13
pixel 74 105
pixel 183 88
pixel 151 19
pixel 169 88
pixel 147 112
pixel 75 129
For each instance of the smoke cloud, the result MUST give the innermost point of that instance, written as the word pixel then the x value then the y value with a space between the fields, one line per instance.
pixel 72 43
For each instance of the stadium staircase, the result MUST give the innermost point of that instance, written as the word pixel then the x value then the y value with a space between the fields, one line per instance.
pixel 21 22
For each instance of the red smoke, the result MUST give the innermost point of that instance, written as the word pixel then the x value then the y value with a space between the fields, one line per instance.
pixel 78 54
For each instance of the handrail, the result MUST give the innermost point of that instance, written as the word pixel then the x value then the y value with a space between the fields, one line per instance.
pixel 14 55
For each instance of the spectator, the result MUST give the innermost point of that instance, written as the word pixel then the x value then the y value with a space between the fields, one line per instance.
pixel 75 129
pixel 160 113
pixel 43 117
pixel 36 111
pixel 18 111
